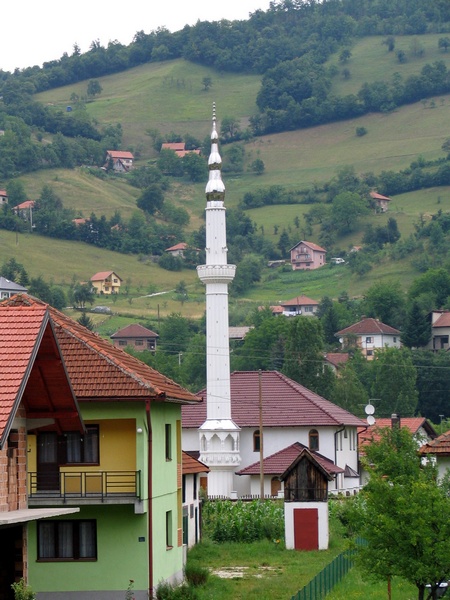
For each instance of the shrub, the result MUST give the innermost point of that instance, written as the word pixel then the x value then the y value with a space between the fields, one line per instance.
pixel 22 591
pixel 195 574
pixel 167 591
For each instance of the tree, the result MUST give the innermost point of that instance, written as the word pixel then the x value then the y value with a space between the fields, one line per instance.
pixel 416 330
pixel 345 55
pixel 263 346
pixel 195 167
pixel 404 515
pixel 347 207
pixel 385 301
pixel 433 383
pixel 86 321
pixel 207 83
pixel 175 334
pixel 284 243
pixel 444 44
pixel 230 128
pixel 435 282
pixel 16 192
pixel 348 391
pixel 258 166
pixel 93 88
pixel 82 294
pixel 151 199
pixel 394 382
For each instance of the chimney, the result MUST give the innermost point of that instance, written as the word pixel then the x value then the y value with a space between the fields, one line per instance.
pixel 395 421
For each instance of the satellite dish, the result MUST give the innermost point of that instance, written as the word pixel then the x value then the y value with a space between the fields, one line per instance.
pixel 369 409
pixel 371 420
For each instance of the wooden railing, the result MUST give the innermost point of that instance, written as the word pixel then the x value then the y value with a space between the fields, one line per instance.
pixel 85 484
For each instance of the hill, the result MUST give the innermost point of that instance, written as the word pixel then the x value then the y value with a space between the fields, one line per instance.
pixel 169 96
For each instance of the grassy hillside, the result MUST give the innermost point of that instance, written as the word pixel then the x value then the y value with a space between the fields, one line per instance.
pixel 169 96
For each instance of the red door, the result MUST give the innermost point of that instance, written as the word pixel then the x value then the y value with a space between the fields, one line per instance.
pixel 306 529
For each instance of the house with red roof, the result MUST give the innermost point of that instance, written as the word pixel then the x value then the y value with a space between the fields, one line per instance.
pixel 3 197
pixel 300 305
pixel 177 249
pixel 307 256
pixel 336 360
pixel 120 160
pixel 440 330
pixel 193 472
pixel 118 466
pixel 135 336
pixel 381 202
pixel 369 335
pixel 418 426
pixel 179 148
pixel 106 282
pixel 438 449
pixel 290 414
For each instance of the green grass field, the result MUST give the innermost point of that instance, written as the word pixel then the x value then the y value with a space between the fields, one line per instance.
pixel 169 96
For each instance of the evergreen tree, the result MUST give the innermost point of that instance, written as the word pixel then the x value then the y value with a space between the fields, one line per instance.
pixel 86 321
pixel 416 330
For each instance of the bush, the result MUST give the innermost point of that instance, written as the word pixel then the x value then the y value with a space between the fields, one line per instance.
pixel 196 575
pixel 167 591
pixel 22 591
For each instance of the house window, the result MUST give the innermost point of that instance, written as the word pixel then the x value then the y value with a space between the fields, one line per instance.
pixel 395 340
pixel 256 441
pixel 194 492
pixel 83 448
pixel 308 308
pixel 122 342
pixel 369 353
pixel 139 342
pixel 169 539
pixel 67 540
pixel 313 439
pixel 168 441
pixel 369 340
pixel 183 487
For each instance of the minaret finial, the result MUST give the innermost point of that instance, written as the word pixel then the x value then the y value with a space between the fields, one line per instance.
pixel 215 189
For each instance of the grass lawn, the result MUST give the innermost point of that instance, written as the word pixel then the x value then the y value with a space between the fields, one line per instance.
pixel 262 570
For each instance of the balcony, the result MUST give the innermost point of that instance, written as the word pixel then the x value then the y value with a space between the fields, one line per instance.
pixel 84 487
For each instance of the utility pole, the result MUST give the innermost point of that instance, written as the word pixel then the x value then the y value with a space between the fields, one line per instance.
pixel 261 442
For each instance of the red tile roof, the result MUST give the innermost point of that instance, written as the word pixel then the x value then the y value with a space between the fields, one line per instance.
pixel 135 330
pixel 26 335
pixel 372 433
pixel 180 246
pixel 443 320
pixel 369 326
pixel 101 275
pixel 377 196
pixel 311 245
pixel 337 358
pixel 24 205
pixel 191 465
pixel 100 371
pixel 439 446
pixel 299 301
pixel 175 146
pixel 285 404
pixel 120 154
pixel 278 463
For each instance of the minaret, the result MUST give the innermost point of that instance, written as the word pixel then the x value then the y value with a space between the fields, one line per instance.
pixel 219 435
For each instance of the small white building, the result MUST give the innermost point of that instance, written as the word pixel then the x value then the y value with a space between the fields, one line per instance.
pixel 192 472
pixel 9 288
pixel 369 335
pixel 440 330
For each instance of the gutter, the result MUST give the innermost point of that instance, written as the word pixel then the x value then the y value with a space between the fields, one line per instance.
pixel 335 447
pixel 150 498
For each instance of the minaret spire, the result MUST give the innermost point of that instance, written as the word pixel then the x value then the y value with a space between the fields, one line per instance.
pixel 219 435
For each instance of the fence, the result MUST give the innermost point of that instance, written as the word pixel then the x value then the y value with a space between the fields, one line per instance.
pixel 324 581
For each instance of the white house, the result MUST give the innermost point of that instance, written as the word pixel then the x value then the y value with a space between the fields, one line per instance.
pixel 192 472
pixel 9 288
pixel 440 330
pixel 369 335
pixel 290 414
pixel 300 305
pixel 439 448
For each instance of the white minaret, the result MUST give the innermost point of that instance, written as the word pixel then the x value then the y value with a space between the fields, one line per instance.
pixel 219 435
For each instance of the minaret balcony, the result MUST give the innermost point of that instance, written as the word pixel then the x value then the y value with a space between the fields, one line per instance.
pixel 216 273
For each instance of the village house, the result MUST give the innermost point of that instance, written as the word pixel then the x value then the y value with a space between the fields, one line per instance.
pixel 418 426
pixel 3 197
pixel 369 335
pixel 118 467
pixel 438 449
pixel 135 336
pixel 335 360
pixel 179 148
pixel 120 160
pixel 306 256
pixel 300 305
pixel 290 414
pixel 9 288
pixel 177 249
pixel 106 282
pixel 193 471
pixel 25 210
pixel 381 202
pixel 440 330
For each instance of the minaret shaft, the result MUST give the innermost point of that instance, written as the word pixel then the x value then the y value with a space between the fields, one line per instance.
pixel 219 435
